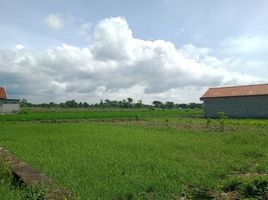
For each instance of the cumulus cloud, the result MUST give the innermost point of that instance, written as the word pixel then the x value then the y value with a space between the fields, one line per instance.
pixel 116 65
pixel 54 21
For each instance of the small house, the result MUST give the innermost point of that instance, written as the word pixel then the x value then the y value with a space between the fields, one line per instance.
pixel 248 101
pixel 8 105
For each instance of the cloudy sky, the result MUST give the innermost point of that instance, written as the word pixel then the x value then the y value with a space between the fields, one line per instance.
pixel 167 50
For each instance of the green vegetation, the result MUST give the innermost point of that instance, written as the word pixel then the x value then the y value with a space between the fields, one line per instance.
pixel 125 103
pixel 250 188
pixel 155 155
pixel 30 115
pixel 7 192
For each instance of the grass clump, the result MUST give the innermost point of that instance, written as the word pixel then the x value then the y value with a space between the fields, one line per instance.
pixel 254 188
pixel 7 191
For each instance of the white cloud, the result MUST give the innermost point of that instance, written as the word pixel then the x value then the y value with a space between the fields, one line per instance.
pixel 19 46
pixel 116 65
pixel 247 44
pixel 55 21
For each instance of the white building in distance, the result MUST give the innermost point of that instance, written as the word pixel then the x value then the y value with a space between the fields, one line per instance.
pixel 8 105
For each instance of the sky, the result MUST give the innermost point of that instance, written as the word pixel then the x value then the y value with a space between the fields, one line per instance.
pixel 166 50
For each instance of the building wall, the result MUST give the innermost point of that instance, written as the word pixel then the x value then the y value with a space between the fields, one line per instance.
pixel 9 105
pixel 238 107
pixel 9 108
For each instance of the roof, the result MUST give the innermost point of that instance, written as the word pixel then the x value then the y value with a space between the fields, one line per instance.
pixel 236 91
pixel 3 94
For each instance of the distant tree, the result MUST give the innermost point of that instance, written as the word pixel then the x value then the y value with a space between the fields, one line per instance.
pixel 44 105
pixel 130 100
pixel 195 105
pixel 139 104
pixel 169 104
pixel 107 103
pixel 158 104
pixel 52 104
pixel 23 103
pixel 101 104
pixel 71 104
pixel 85 105
pixel 125 103
pixel 80 105
pixel 182 105
pixel 114 104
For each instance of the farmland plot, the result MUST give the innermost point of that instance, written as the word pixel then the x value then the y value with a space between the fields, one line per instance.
pixel 157 158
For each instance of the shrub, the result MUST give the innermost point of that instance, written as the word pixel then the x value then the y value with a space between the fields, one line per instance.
pixel 221 121
pixel 208 123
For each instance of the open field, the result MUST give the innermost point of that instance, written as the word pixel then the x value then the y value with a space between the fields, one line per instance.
pixel 67 114
pixel 147 157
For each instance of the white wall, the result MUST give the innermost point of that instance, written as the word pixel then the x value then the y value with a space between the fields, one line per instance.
pixel 9 108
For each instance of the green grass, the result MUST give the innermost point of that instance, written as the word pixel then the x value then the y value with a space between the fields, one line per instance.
pixel 7 192
pixel 80 115
pixel 134 160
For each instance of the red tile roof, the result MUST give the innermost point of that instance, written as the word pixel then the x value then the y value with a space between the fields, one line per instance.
pixel 3 94
pixel 236 91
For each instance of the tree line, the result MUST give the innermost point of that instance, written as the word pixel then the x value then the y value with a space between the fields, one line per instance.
pixel 125 103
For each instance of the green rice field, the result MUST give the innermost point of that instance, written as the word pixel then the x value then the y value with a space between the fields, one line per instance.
pixel 170 154
pixel 50 115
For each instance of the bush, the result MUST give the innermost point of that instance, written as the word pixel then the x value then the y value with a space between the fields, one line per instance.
pixel 221 121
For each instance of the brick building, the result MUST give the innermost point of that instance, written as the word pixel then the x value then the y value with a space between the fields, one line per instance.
pixel 249 101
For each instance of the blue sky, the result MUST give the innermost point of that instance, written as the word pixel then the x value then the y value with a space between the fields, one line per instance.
pixel 225 41
pixel 204 22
